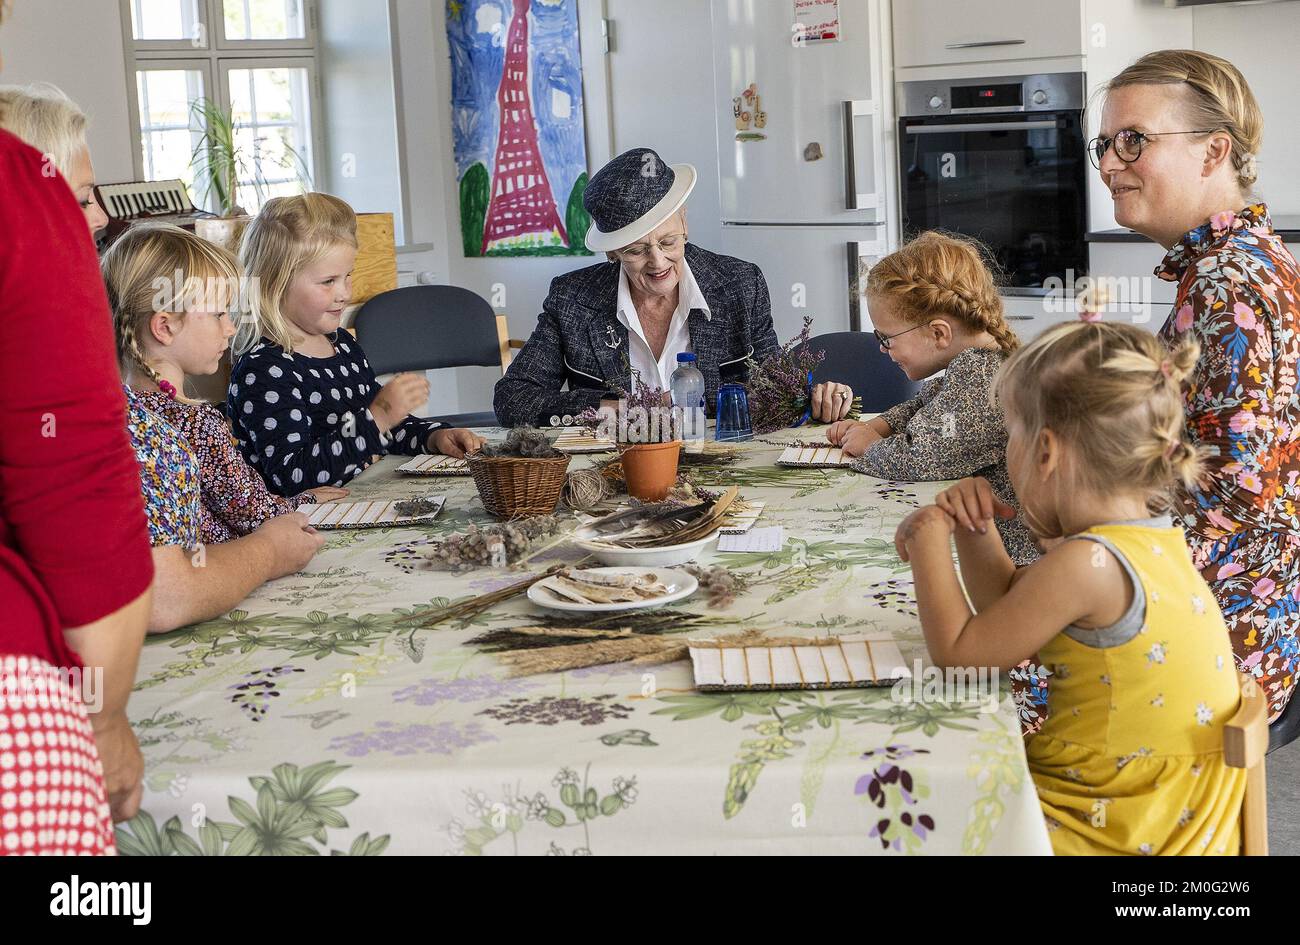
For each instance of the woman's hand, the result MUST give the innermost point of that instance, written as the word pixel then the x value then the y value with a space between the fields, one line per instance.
pixel 853 437
pixel 119 753
pixel 929 521
pixel 454 442
pixel 831 402
pixel 324 494
pixel 972 504
pixel 397 399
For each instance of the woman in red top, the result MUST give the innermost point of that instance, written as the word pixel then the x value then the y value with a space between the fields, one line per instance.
pixel 75 565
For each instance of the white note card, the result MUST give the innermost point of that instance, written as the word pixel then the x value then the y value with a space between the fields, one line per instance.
pixel 771 538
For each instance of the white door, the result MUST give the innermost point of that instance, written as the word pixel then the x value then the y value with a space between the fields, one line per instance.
pixel 809 270
pixel 797 171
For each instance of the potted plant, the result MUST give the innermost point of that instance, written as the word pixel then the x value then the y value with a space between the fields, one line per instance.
pixel 648 435
pixel 220 163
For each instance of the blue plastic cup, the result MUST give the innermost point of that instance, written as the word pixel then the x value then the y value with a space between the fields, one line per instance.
pixel 733 414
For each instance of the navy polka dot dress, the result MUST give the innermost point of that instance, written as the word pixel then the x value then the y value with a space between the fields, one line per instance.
pixel 305 422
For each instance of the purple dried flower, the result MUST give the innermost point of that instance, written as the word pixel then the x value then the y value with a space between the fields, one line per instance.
pixel 779 389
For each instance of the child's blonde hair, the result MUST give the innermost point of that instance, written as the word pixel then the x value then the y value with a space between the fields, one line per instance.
pixel 937 275
pixel 161 268
pixel 288 234
pixel 1219 99
pixel 1113 393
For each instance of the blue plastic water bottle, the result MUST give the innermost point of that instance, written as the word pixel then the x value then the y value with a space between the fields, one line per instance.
pixel 687 388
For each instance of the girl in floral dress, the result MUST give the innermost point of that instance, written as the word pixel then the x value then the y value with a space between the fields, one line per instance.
pixel 159 347
pixel 1179 133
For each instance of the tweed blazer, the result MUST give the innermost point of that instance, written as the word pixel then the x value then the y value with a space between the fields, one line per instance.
pixel 579 340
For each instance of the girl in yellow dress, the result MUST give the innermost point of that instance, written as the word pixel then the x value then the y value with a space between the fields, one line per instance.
pixel 1139 664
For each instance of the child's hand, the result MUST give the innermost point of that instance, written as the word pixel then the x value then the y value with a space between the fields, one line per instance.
pixel 972 504
pixel 851 436
pixel 454 442
pixel 397 399
pixel 327 493
pixel 928 520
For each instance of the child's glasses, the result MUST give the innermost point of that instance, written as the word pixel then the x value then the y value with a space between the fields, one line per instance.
pixel 886 340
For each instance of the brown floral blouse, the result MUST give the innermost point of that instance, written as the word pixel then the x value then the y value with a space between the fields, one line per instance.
pixel 1239 297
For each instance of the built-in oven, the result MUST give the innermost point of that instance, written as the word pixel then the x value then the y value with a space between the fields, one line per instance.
pixel 1001 160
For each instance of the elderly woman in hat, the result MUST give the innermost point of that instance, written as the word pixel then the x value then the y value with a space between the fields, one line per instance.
pixel 657 296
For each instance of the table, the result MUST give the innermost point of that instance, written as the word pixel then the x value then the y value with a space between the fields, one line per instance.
pixel 313 720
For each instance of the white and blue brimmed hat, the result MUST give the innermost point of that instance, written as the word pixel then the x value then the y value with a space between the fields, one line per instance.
pixel 631 196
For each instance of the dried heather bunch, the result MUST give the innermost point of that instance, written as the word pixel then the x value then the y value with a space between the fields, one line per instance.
pixel 779 393
pixel 523 443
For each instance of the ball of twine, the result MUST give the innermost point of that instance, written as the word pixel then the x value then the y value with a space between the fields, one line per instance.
pixel 584 489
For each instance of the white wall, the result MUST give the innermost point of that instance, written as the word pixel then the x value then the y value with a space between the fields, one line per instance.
pixel 77 45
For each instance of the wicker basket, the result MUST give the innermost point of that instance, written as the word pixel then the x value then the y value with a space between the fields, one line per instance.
pixel 511 486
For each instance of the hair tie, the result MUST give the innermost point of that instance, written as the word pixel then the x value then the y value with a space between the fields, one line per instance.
pixel 167 387
pixel 1169 450
pixel 1248 167
pixel 1090 317
pixel 1166 368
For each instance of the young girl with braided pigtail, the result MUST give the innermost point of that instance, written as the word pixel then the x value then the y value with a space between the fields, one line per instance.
pixel 936 310
pixel 1142 679
pixel 171 294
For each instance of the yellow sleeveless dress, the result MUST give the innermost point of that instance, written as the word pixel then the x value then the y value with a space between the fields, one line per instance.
pixel 1130 759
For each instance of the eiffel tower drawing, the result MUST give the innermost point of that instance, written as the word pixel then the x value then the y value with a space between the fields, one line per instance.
pixel 522 204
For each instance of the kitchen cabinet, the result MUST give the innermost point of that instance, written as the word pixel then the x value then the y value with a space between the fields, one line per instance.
pixel 1030 316
pixel 933 33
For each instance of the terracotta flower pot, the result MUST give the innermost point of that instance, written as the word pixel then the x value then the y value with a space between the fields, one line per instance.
pixel 651 469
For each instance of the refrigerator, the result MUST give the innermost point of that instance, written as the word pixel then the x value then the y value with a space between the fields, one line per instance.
pixel 804 110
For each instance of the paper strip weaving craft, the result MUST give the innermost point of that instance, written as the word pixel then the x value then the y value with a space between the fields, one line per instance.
pixel 739 522
pixel 435 465
pixel 820 455
pixel 575 440
pixel 822 663
pixel 366 514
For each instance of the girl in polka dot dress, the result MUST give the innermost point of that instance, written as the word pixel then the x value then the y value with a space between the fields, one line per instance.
pixel 304 402
pixel 161 341
pixel 1142 680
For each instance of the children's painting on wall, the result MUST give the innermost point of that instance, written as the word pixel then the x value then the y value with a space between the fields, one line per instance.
pixel 517 127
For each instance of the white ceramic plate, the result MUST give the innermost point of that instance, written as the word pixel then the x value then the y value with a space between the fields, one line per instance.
pixel 643 557
pixel 680 585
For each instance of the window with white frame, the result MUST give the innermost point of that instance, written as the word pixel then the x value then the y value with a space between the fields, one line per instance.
pixel 253 63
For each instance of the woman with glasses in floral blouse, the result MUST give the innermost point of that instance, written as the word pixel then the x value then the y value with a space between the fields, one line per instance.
pixel 1179 134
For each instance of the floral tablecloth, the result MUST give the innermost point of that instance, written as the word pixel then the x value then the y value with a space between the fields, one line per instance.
pixel 314 720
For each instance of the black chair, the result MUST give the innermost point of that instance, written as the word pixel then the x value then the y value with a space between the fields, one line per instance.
pixel 426 327
pixel 855 358
pixel 1286 728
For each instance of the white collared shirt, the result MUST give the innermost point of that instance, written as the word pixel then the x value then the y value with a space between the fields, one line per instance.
pixel 657 372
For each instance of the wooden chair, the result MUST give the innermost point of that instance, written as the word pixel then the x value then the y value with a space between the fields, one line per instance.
pixel 1245 742
pixel 508 345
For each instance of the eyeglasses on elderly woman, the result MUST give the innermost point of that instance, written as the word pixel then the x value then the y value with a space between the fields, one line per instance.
pixel 669 245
